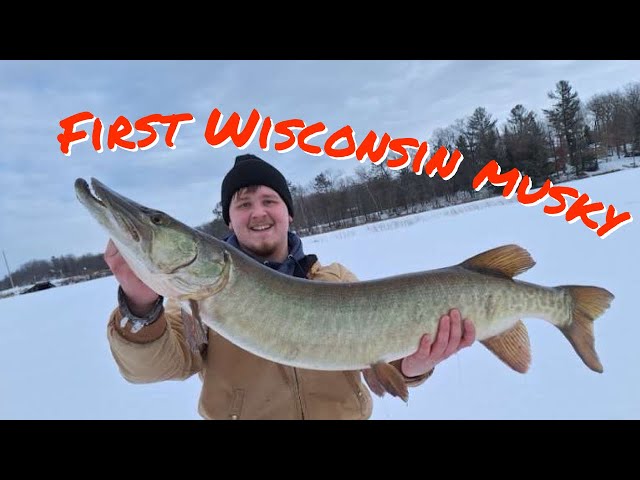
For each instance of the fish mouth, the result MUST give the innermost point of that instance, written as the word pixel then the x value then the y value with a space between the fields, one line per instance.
pixel 102 200
pixel 131 225
pixel 85 195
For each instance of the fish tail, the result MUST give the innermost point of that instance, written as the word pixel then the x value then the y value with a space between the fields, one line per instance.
pixel 588 303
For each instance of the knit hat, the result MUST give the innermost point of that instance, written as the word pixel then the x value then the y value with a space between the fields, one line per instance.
pixel 250 170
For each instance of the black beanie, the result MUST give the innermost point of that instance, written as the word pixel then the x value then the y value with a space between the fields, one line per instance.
pixel 250 170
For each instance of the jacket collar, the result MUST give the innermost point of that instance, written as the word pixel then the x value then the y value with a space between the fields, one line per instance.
pixel 296 264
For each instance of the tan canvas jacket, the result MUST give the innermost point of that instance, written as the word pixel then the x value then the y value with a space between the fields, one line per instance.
pixel 235 383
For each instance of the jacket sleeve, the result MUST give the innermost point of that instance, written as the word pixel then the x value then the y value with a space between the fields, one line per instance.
pixel 339 273
pixel 157 352
pixel 412 381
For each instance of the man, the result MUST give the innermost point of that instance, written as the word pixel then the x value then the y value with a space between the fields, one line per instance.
pixel 258 208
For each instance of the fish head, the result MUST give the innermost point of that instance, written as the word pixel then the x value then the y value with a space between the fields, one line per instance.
pixel 173 259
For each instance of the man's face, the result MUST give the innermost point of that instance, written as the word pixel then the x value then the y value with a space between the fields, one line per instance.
pixel 260 220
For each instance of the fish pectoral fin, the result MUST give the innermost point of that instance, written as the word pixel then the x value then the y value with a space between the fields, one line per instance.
pixel 384 377
pixel 194 331
pixel 512 347
pixel 505 261
pixel 195 309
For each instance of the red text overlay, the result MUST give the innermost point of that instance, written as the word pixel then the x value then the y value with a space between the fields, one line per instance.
pixel 315 139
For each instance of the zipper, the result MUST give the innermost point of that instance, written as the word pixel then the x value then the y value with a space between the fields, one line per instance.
pixel 297 390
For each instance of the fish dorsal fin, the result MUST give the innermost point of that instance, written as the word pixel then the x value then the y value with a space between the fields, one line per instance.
pixel 512 347
pixel 505 261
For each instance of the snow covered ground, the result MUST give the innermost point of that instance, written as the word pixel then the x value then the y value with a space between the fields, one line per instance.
pixel 55 362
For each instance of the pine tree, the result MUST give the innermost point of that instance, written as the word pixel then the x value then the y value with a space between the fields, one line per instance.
pixel 525 145
pixel 566 119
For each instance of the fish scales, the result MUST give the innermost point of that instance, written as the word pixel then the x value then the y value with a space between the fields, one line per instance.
pixel 342 326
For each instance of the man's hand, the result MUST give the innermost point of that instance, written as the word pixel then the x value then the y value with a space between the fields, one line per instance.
pixel 140 298
pixel 453 335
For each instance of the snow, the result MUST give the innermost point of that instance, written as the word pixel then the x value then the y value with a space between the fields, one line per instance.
pixel 55 361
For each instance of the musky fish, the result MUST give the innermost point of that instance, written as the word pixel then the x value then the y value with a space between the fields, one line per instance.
pixel 342 326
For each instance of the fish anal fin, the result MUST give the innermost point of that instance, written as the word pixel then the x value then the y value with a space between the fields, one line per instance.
pixel 512 347
pixel 387 378
pixel 505 261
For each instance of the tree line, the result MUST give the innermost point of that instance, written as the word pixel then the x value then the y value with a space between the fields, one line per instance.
pixel 66 266
pixel 564 142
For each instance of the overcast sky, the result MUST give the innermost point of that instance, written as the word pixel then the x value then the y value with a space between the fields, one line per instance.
pixel 41 217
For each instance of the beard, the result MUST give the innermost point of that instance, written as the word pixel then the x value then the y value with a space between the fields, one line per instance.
pixel 262 249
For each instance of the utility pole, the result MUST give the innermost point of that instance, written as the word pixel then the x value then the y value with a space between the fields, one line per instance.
pixel 8 270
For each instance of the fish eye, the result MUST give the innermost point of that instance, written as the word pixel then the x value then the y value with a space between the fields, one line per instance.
pixel 156 218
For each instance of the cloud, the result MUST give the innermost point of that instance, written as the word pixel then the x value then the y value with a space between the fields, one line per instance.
pixel 400 97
